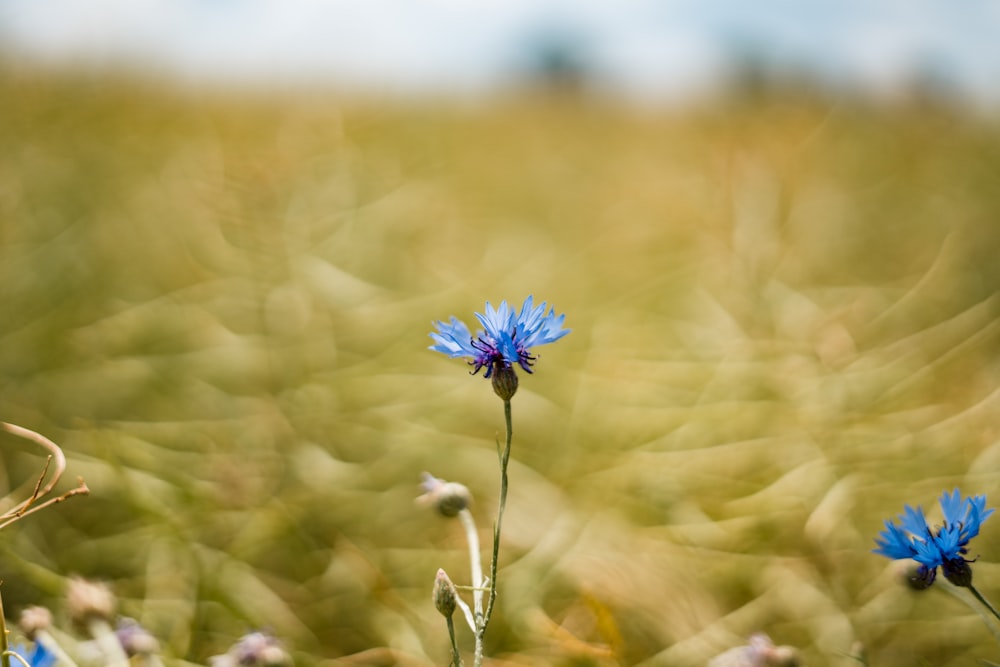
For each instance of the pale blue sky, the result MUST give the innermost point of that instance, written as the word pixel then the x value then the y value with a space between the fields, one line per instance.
pixel 646 49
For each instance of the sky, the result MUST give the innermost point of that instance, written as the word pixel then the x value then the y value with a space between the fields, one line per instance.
pixel 642 49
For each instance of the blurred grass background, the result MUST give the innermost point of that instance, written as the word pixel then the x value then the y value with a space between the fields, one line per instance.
pixel 785 326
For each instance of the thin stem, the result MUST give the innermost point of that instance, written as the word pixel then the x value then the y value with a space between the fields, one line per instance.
pixel 4 651
pixel 41 488
pixel 475 562
pixel 45 443
pixel 504 459
pixel 983 600
pixel 81 490
pixel 456 657
pixel 477 659
pixel 114 654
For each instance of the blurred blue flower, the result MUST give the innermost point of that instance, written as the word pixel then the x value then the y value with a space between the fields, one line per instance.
pixel 944 547
pixel 506 339
pixel 39 656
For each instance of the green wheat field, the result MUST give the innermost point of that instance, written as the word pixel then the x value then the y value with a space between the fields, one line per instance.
pixel 785 326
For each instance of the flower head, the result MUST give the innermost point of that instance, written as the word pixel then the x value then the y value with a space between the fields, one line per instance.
pixel 448 498
pixel 257 649
pixel 507 336
pixel 33 620
pixel 759 652
pixel 38 656
pixel 943 547
pixel 88 600
pixel 135 639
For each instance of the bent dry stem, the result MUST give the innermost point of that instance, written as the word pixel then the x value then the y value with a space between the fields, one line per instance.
pixel 41 488
pixel 475 563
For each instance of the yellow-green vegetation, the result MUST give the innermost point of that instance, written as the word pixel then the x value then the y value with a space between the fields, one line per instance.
pixel 785 326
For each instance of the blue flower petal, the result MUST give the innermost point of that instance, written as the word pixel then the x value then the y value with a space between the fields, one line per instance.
pixel 894 543
pixel 453 338
pixel 39 656
pixel 952 506
pixel 496 322
pixel 42 657
pixel 507 337
pixel 913 521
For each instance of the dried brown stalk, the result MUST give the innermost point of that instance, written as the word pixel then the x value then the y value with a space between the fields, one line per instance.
pixel 42 488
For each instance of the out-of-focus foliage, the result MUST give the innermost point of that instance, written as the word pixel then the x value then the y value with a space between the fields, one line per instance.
pixel 785 326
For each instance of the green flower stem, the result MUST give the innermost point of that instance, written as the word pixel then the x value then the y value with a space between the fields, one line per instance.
pixel 475 562
pixel 456 657
pixel 504 460
pixel 108 641
pixel 984 601
pixel 4 650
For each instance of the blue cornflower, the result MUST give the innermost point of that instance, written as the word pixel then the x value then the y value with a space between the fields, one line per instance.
pixel 506 338
pixel 39 656
pixel 944 547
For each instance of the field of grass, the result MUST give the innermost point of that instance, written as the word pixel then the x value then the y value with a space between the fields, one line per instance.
pixel 785 326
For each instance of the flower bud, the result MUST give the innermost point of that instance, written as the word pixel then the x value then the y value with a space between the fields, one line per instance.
pixel 256 649
pixel 957 571
pixel 89 600
pixel 504 381
pixel 33 620
pixel 759 652
pixel 135 639
pixel 920 578
pixel 445 596
pixel 448 498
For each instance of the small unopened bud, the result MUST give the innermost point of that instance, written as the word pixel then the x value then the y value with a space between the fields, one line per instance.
pixel 33 620
pixel 783 656
pixel 920 578
pixel 448 498
pixel 135 639
pixel 445 596
pixel 256 649
pixel 89 600
pixel 759 652
pixel 958 572
pixel 504 381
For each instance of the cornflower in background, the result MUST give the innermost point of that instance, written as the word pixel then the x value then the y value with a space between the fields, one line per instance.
pixel 91 606
pixel 36 624
pixel 448 498
pixel 256 649
pixel 506 340
pixel 39 656
pixel 944 546
pixel 139 643
pixel 760 651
